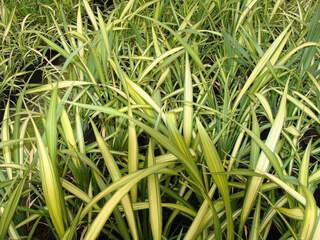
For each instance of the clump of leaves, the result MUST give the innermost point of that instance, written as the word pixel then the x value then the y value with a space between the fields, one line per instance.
pixel 161 120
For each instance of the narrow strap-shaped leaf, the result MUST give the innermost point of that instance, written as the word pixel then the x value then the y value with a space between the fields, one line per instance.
pixel 5 136
pixel 91 15
pixel 132 154
pixel 294 213
pixel 254 234
pixel 188 48
pixel 180 144
pixel 51 86
pixel 154 198
pixel 10 209
pixel 304 167
pixel 263 163
pixel 185 156
pixel 70 232
pixel 116 175
pixel 107 209
pixel 215 165
pixel 51 186
pixel 158 60
pixel 197 224
pixel 51 126
pixel 188 99
pixel 310 215
pixel 254 151
pixel 77 167
pixel 269 56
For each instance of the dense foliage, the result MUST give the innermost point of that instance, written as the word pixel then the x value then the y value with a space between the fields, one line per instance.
pixel 159 119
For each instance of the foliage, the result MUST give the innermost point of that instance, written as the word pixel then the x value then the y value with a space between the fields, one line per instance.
pixel 136 119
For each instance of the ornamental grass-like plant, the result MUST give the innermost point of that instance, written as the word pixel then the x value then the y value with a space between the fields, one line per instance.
pixel 160 119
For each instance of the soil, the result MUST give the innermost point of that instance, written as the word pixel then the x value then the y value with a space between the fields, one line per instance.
pixel 43 232
pixel 274 233
pixel 311 133
pixel 316 195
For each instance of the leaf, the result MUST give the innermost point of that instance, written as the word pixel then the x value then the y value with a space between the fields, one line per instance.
pixel 275 8
pixel 263 163
pixel 77 168
pixel 294 213
pixel 188 100
pixel 51 186
pixel 266 106
pixel 132 154
pixel 154 198
pixel 188 48
pixel 51 126
pixel 316 232
pixel 116 175
pixel 197 224
pixel 158 60
pixel 8 26
pixel 127 8
pixel 248 6
pixel 184 156
pixel 254 151
pixel 215 166
pixel 271 55
pixel 179 143
pixel 313 35
pixel 303 107
pixel 292 192
pixel 51 86
pixel 126 183
pixel 79 131
pixel 304 167
pixel 5 137
pixel 310 215
pixel 71 231
pixel 91 15
pixel 254 233
pixel 10 209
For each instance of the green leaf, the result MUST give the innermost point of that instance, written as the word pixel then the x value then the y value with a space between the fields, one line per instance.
pixel 188 100
pixel 51 186
pixel 310 215
pixel 10 209
pixel 154 198
pixel 271 55
pixel 263 163
pixel 215 166
pixel 116 175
